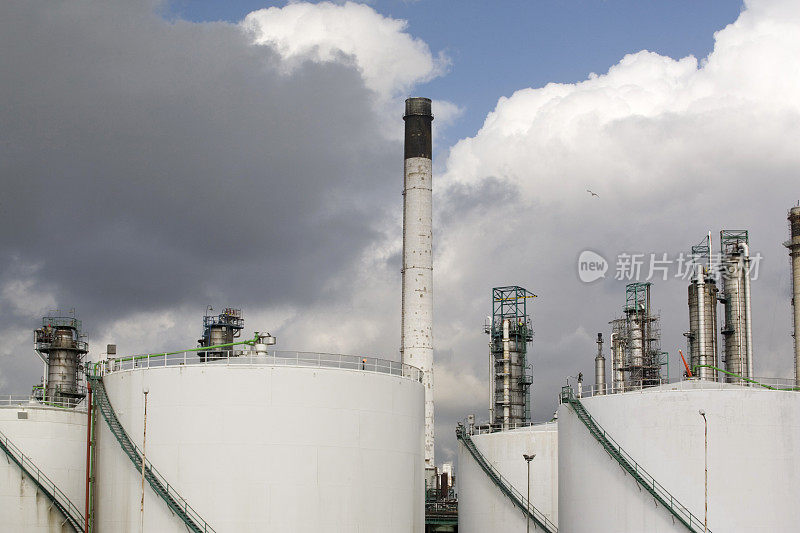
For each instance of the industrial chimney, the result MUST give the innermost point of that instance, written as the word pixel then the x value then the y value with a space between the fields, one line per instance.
pixel 794 253
pixel 416 342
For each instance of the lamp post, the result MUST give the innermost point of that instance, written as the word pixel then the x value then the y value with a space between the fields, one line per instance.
pixel 528 459
pixel 705 465
pixel 144 447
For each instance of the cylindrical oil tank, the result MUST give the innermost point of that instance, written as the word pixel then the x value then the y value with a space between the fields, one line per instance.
pixel 703 328
pixel 482 506
pixel 54 439
pixel 266 448
pixel 753 438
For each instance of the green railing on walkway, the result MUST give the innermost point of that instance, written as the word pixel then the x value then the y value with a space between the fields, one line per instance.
pixel 538 518
pixel 748 380
pixel 43 483
pixel 194 522
pixel 645 480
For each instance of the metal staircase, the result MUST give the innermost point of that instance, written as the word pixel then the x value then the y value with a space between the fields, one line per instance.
pixel 194 522
pixel 645 480
pixel 43 483
pixel 538 518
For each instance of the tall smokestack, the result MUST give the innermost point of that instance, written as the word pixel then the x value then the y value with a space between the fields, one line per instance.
pixel 416 343
pixel 794 253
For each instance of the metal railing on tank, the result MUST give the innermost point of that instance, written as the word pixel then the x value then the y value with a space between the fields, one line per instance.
pixel 32 401
pixel 253 357
pixel 692 383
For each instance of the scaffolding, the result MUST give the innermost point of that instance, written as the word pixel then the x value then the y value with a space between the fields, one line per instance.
pixel 509 331
pixel 637 358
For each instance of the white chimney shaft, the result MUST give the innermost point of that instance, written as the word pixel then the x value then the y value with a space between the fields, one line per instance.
pixel 417 312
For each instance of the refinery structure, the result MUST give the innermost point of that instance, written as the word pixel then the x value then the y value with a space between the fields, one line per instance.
pixel 634 452
pixel 234 435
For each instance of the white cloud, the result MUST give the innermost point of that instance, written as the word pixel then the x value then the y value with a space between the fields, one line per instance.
pixel 674 147
pixel 390 60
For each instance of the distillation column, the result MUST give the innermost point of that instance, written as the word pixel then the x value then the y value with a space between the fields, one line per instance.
pixel 702 334
pixel 794 253
pixel 737 329
pixel 59 343
pixel 416 344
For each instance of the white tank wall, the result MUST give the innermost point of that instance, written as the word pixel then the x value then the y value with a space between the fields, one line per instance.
pixel 482 507
pixel 268 449
pixel 754 474
pixel 55 440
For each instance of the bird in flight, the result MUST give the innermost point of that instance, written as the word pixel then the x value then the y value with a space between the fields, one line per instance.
pixel 592 193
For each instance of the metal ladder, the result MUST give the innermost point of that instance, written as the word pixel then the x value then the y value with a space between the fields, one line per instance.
pixel 539 519
pixel 43 483
pixel 194 522
pixel 645 480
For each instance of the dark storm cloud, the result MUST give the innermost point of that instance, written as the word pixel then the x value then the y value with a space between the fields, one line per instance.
pixel 148 164
pixel 158 166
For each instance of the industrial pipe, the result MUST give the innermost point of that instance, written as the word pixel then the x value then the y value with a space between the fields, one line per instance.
pixel 748 328
pixel 600 368
pixel 87 525
pixel 794 253
pixel 506 376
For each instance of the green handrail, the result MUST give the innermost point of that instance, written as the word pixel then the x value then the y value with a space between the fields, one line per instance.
pixel 44 484
pixel 539 518
pixel 95 368
pixel 648 482
pixel 754 382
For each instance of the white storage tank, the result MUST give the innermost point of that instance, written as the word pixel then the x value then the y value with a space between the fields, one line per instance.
pixel 482 507
pixel 753 472
pixel 268 445
pixel 54 440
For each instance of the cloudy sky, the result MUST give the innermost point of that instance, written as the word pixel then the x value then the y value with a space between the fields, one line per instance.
pixel 158 157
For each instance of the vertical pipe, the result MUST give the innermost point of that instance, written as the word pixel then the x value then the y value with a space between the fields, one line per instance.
pixel 748 328
pixel 416 345
pixel 86 525
pixel 599 368
pixel 144 456
pixel 492 377
pixel 794 254
pixel 701 324
pixel 506 376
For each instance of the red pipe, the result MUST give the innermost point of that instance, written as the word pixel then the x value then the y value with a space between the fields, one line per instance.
pixel 88 453
pixel 688 370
